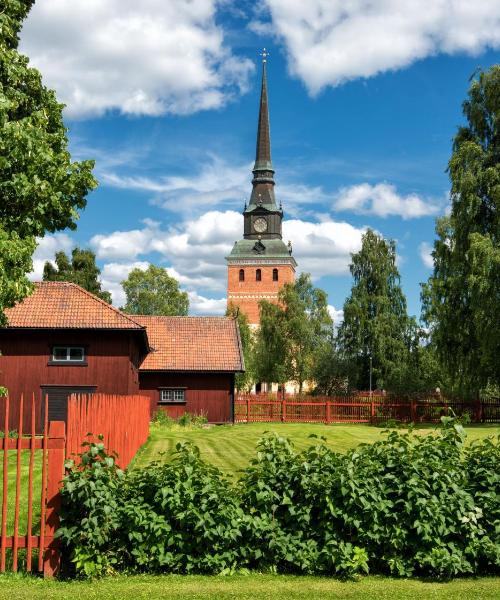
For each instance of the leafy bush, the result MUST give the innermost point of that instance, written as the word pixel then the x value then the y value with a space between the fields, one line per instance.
pixel 181 516
pixel 406 505
pixel 192 420
pixel 163 419
pixel 90 514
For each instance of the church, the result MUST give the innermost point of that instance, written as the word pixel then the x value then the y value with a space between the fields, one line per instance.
pixel 261 262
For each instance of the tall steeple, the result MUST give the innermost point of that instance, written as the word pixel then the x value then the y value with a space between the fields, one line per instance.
pixel 260 263
pixel 263 168
pixel 262 196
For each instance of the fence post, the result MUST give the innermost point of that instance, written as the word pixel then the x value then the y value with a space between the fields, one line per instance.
pixel 283 408
pixel 52 556
pixel 413 411
pixel 328 412
pixel 248 409
pixel 372 409
pixel 479 410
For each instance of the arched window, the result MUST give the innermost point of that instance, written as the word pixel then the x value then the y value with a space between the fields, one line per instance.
pixel 258 275
pixel 275 274
pixel 242 275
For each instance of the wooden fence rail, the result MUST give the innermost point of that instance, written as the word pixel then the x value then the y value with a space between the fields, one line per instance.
pixel 123 421
pixel 49 449
pixel 358 409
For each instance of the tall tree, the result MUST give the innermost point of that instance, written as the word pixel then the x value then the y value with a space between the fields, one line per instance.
pixel 461 300
pixel 154 292
pixel 291 331
pixel 376 324
pixel 244 381
pixel 40 188
pixel 82 270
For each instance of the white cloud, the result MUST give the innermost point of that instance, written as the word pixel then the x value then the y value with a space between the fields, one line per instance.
pixel 199 305
pixel 332 41
pixel 46 250
pixel 193 252
pixel 323 248
pixel 382 200
pixel 336 314
pixel 425 250
pixel 143 58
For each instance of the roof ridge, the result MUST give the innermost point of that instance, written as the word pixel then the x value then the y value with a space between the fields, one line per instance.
pixel 182 316
pixel 94 297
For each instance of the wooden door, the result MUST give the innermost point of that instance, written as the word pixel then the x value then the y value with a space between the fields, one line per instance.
pixel 58 399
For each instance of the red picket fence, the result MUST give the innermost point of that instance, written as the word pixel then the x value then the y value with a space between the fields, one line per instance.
pixel 49 450
pixel 123 421
pixel 360 408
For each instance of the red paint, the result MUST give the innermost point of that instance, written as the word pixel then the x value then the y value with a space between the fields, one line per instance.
pixel 112 364
pixel 52 446
pixel 356 409
pixel 205 393
pixel 123 421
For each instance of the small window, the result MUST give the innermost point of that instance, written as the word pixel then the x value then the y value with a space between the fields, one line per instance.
pixel 172 395
pixel 275 274
pixel 69 354
pixel 242 275
pixel 258 275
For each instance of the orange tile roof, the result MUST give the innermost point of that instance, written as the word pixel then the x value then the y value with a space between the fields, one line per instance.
pixel 192 344
pixel 58 304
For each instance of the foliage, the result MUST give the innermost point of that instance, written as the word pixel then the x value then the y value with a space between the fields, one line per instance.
pixel 182 516
pixel 291 332
pixel 376 323
pixel 154 292
pixel 187 419
pixel 244 381
pixel 461 300
pixel 15 262
pixel 82 270
pixel 90 517
pixel 408 505
pixel 329 371
pixel 41 189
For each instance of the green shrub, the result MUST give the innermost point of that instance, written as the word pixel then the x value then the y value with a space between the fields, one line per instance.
pixel 90 513
pixel 162 419
pixel 181 516
pixel 406 505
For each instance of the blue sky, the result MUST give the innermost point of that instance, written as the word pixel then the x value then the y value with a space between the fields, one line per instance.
pixel 364 103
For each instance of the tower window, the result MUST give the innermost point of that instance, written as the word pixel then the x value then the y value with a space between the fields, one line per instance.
pixel 242 275
pixel 258 275
pixel 275 274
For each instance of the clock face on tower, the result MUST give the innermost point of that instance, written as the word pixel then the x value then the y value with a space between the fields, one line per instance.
pixel 260 225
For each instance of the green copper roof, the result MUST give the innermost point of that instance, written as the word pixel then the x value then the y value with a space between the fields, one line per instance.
pixel 275 248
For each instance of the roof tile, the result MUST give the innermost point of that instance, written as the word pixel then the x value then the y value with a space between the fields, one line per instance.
pixel 192 344
pixel 60 304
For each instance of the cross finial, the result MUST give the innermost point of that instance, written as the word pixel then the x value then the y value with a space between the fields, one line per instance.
pixel 264 55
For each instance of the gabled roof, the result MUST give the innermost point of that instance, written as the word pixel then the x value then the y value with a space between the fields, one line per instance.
pixel 63 305
pixel 192 344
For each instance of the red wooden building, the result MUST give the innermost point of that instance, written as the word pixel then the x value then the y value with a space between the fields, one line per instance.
pixel 62 340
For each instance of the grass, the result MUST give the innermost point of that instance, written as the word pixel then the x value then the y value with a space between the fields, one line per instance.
pixel 230 447
pixel 245 587
pixel 37 486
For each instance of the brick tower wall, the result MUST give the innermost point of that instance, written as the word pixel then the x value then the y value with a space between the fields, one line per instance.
pixel 248 293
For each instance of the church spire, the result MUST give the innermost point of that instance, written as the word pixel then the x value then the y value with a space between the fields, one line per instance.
pixel 263 172
pixel 263 150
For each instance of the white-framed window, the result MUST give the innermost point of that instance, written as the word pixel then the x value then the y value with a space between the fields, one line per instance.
pixel 70 354
pixel 170 395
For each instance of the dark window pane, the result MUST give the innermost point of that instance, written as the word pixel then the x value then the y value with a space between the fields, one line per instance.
pixel 60 353
pixel 76 354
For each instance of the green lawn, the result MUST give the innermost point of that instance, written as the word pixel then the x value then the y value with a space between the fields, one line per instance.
pixel 37 486
pixel 245 587
pixel 230 447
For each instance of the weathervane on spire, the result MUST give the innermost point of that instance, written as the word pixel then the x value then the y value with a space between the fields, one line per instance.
pixel 264 55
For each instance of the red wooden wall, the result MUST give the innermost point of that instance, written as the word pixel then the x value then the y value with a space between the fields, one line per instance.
pixel 25 356
pixel 205 392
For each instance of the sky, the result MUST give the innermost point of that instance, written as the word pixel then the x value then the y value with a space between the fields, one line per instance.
pixel 364 97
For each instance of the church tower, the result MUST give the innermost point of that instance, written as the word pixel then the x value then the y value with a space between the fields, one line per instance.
pixel 261 262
